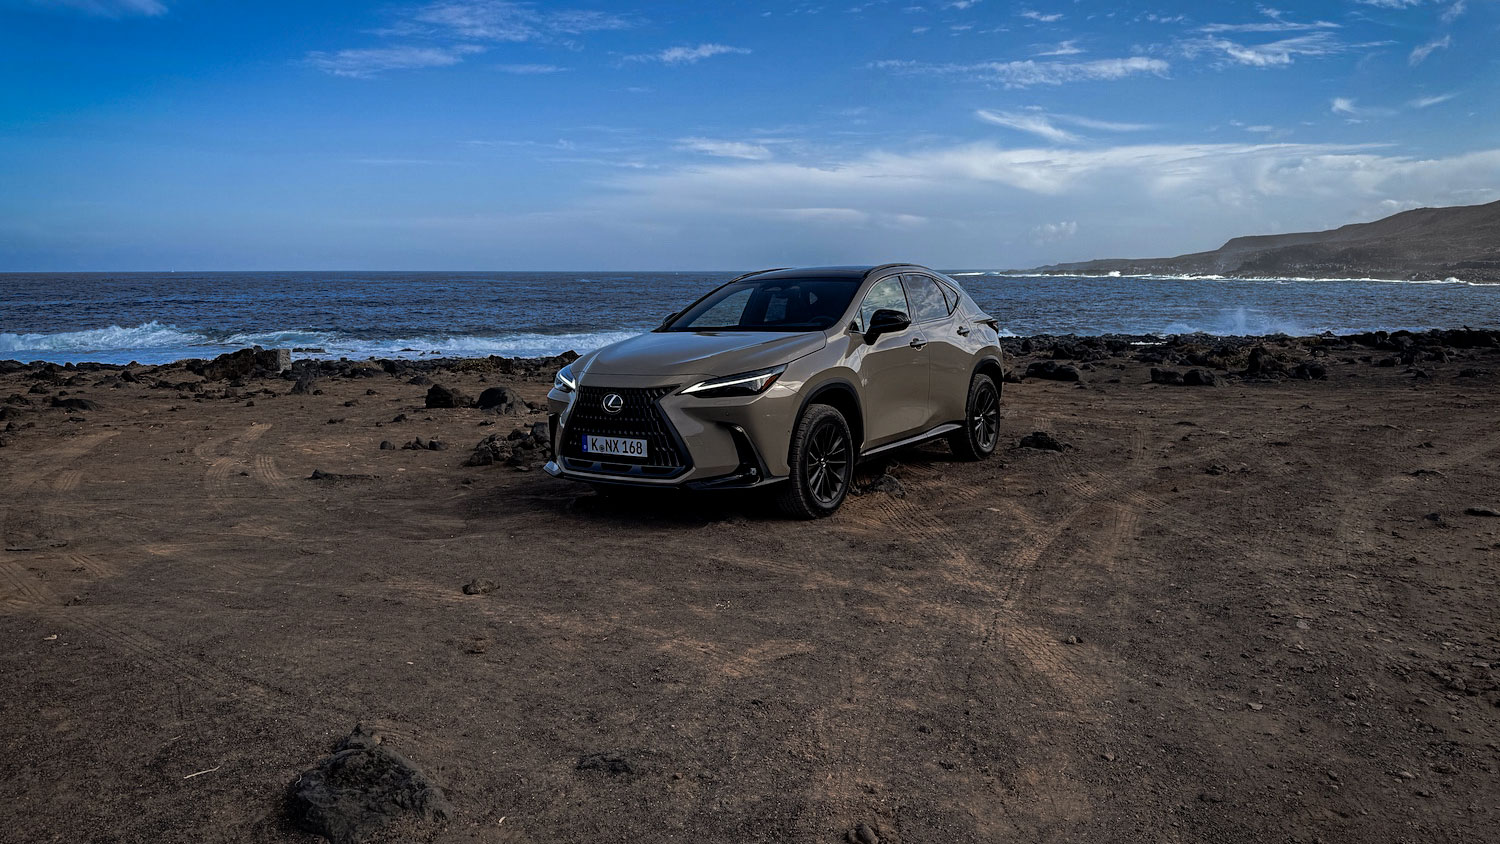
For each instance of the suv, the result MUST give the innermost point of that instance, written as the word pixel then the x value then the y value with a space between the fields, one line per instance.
pixel 783 377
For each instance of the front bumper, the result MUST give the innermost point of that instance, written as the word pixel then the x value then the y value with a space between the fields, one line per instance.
pixel 692 443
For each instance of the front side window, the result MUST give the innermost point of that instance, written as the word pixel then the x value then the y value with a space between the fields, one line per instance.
pixel 885 295
pixel 777 304
pixel 927 302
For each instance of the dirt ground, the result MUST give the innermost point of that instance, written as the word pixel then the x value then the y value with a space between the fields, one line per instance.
pixel 1255 612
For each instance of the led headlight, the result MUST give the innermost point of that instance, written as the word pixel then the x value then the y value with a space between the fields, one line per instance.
pixel 563 381
pixel 744 384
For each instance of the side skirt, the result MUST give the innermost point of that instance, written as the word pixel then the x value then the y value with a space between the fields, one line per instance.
pixel 945 428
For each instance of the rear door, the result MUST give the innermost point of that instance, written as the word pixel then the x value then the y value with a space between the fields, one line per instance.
pixel 936 314
pixel 892 371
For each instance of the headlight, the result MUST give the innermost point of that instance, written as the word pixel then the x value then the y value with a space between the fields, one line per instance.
pixel 744 384
pixel 563 381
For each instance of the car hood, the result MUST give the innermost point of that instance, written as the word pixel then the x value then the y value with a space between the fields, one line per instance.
pixel 704 353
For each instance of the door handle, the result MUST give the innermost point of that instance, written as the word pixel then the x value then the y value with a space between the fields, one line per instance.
pixel 963 331
pixel 917 342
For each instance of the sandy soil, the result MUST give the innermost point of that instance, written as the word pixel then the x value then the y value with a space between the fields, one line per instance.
pixel 1255 612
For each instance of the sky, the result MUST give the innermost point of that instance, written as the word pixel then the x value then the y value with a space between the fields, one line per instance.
pixel 157 135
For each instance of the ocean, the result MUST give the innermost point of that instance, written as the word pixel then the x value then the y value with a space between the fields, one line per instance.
pixel 161 317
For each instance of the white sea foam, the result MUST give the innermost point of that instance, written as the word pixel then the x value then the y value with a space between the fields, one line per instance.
pixel 154 342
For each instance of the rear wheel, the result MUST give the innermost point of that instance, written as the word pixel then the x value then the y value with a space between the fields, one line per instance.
pixel 822 464
pixel 981 431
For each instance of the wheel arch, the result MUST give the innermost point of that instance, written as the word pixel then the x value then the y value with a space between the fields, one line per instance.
pixel 990 365
pixel 841 395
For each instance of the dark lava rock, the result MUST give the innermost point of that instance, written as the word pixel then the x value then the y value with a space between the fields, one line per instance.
pixel 320 475
pixel 480 587
pixel 503 400
pixel 75 404
pixel 304 384
pixel 1041 440
pixel 387 445
pixel 612 764
pixel 1051 370
pixel 862 834
pixel 362 787
pixel 1483 511
pixel 419 381
pixel 419 444
pixel 1165 376
pixel 887 483
pixel 1263 365
pixel 513 449
pixel 439 396
pixel 400 417
pixel 1309 371
pixel 1200 378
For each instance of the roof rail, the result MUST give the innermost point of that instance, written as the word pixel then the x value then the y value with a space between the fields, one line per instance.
pixel 874 270
pixel 757 272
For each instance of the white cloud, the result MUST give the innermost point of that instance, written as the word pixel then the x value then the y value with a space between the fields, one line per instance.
pixel 1425 102
pixel 529 69
pixel 689 55
pixel 1044 125
pixel 1053 232
pixel 963 4
pixel 1455 11
pixel 1036 124
pixel 369 63
pixel 1347 107
pixel 1421 52
pixel 1066 48
pixel 1144 199
pixel 497 20
pixel 1039 17
pixel 1021 74
pixel 725 149
pixel 1274 54
pixel 110 8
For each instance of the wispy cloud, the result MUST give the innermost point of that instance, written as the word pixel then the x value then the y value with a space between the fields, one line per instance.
pixel 1022 74
pixel 1036 124
pixel 1426 102
pixel 1054 232
pixel 1040 17
pixel 688 55
pixel 370 63
pixel 529 69
pixel 1455 11
pixel 1273 54
pixel 1275 22
pixel 1065 48
pixel 498 20
pixel 110 8
pixel 1348 107
pixel 725 149
pixel 1044 125
pixel 1422 51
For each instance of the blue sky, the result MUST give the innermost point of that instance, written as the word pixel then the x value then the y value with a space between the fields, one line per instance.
pixel 477 134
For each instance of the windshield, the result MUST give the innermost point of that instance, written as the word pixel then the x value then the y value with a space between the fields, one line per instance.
pixel 778 304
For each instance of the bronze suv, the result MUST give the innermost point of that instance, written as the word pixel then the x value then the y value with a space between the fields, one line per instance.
pixel 784 378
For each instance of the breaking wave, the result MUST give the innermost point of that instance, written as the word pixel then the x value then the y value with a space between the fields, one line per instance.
pixel 154 342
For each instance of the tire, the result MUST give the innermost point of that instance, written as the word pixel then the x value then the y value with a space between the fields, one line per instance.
pixel 822 463
pixel 981 431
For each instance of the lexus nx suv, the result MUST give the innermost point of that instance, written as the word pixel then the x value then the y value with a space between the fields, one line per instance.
pixel 783 378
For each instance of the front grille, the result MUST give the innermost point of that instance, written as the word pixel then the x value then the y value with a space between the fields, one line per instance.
pixel 640 418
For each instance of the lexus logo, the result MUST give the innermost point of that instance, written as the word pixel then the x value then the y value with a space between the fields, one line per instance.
pixel 613 403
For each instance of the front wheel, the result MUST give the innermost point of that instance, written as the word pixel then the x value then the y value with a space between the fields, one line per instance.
pixel 822 464
pixel 981 431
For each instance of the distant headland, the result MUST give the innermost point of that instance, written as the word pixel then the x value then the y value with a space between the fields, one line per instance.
pixel 1425 243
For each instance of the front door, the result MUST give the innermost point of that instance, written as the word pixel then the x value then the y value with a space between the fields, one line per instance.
pixel 893 371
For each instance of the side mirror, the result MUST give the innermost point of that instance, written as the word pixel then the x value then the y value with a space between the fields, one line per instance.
pixel 886 321
pixel 667 319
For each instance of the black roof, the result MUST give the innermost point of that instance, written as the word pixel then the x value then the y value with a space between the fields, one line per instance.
pixel 853 272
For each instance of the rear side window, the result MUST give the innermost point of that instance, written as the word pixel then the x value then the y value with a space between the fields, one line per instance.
pixel 885 295
pixel 926 297
pixel 950 294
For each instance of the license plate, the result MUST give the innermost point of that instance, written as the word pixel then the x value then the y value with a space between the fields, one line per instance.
pixel 617 446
